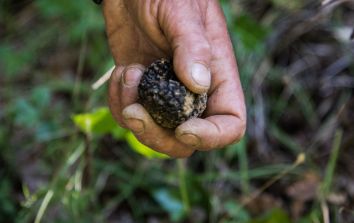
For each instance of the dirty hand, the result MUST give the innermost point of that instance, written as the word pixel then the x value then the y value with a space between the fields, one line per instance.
pixel 194 33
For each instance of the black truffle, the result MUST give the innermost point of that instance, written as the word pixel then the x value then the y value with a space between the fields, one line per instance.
pixel 167 100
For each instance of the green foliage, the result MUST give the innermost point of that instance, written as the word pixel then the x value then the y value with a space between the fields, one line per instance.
pixel 50 54
pixel 289 5
pixel 142 149
pixel 30 113
pixel 249 32
pixel 7 204
pixel 76 20
pixel 328 180
pixel 101 122
pixel 87 18
pixel 170 203
pixel 274 216
pixel 236 212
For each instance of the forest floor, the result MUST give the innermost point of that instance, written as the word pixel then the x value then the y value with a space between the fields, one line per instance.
pixel 295 164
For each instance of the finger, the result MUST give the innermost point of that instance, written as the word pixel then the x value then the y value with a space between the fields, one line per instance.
pixel 223 61
pixel 152 135
pixel 226 112
pixel 123 89
pixel 182 23
pixel 129 84
pixel 222 130
pixel 114 94
pixel 226 94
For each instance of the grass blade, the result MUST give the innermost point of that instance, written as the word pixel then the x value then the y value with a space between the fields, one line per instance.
pixel 327 183
pixel 44 206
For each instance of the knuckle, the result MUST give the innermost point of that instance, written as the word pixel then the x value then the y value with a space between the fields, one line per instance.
pixel 202 47
pixel 202 50
pixel 117 73
pixel 240 133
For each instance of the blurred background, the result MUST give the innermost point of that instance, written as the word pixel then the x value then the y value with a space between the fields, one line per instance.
pixel 63 159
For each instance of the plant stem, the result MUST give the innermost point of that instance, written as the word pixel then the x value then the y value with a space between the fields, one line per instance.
pixel 79 70
pixel 44 206
pixel 182 184
pixel 243 165
pixel 332 162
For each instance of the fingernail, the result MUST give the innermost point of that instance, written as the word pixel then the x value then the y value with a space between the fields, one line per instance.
pixel 131 77
pixel 201 75
pixel 190 139
pixel 135 125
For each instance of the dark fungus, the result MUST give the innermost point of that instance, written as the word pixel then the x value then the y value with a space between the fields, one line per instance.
pixel 166 99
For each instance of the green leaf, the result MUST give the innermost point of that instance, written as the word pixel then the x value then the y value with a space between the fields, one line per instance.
pixel 274 216
pixel 14 60
pixel 7 204
pixel 45 131
pixel 289 5
pixel 25 114
pixel 169 203
pixel 41 96
pixel 233 150
pixel 98 122
pixel 142 149
pixel 236 211
pixel 251 33
pixel 331 166
pixel 119 133
pixel 285 139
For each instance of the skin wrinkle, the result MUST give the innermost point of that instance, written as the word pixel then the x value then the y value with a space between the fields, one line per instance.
pixel 226 112
pixel 155 12
pixel 131 67
pixel 140 132
pixel 201 9
pixel 178 47
pixel 193 129
pixel 143 24
pixel 119 7
pixel 114 80
pixel 205 14
pixel 213 89
pixel 239 134
pixel 160 36
pixel 149 24
pixel 220 133
pixel 172 148
pixel 116 29
pixel 216 142
pixel 169 24
pixel 126 29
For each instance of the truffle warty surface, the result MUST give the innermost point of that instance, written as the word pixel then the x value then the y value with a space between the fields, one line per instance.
pixel 167 100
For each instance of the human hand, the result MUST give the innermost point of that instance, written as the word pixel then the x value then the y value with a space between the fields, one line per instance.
pixel 194 33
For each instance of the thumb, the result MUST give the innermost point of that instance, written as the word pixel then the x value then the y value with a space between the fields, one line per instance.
pixel 183 26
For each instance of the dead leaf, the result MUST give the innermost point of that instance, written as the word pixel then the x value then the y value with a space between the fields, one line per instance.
pixel 304 189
